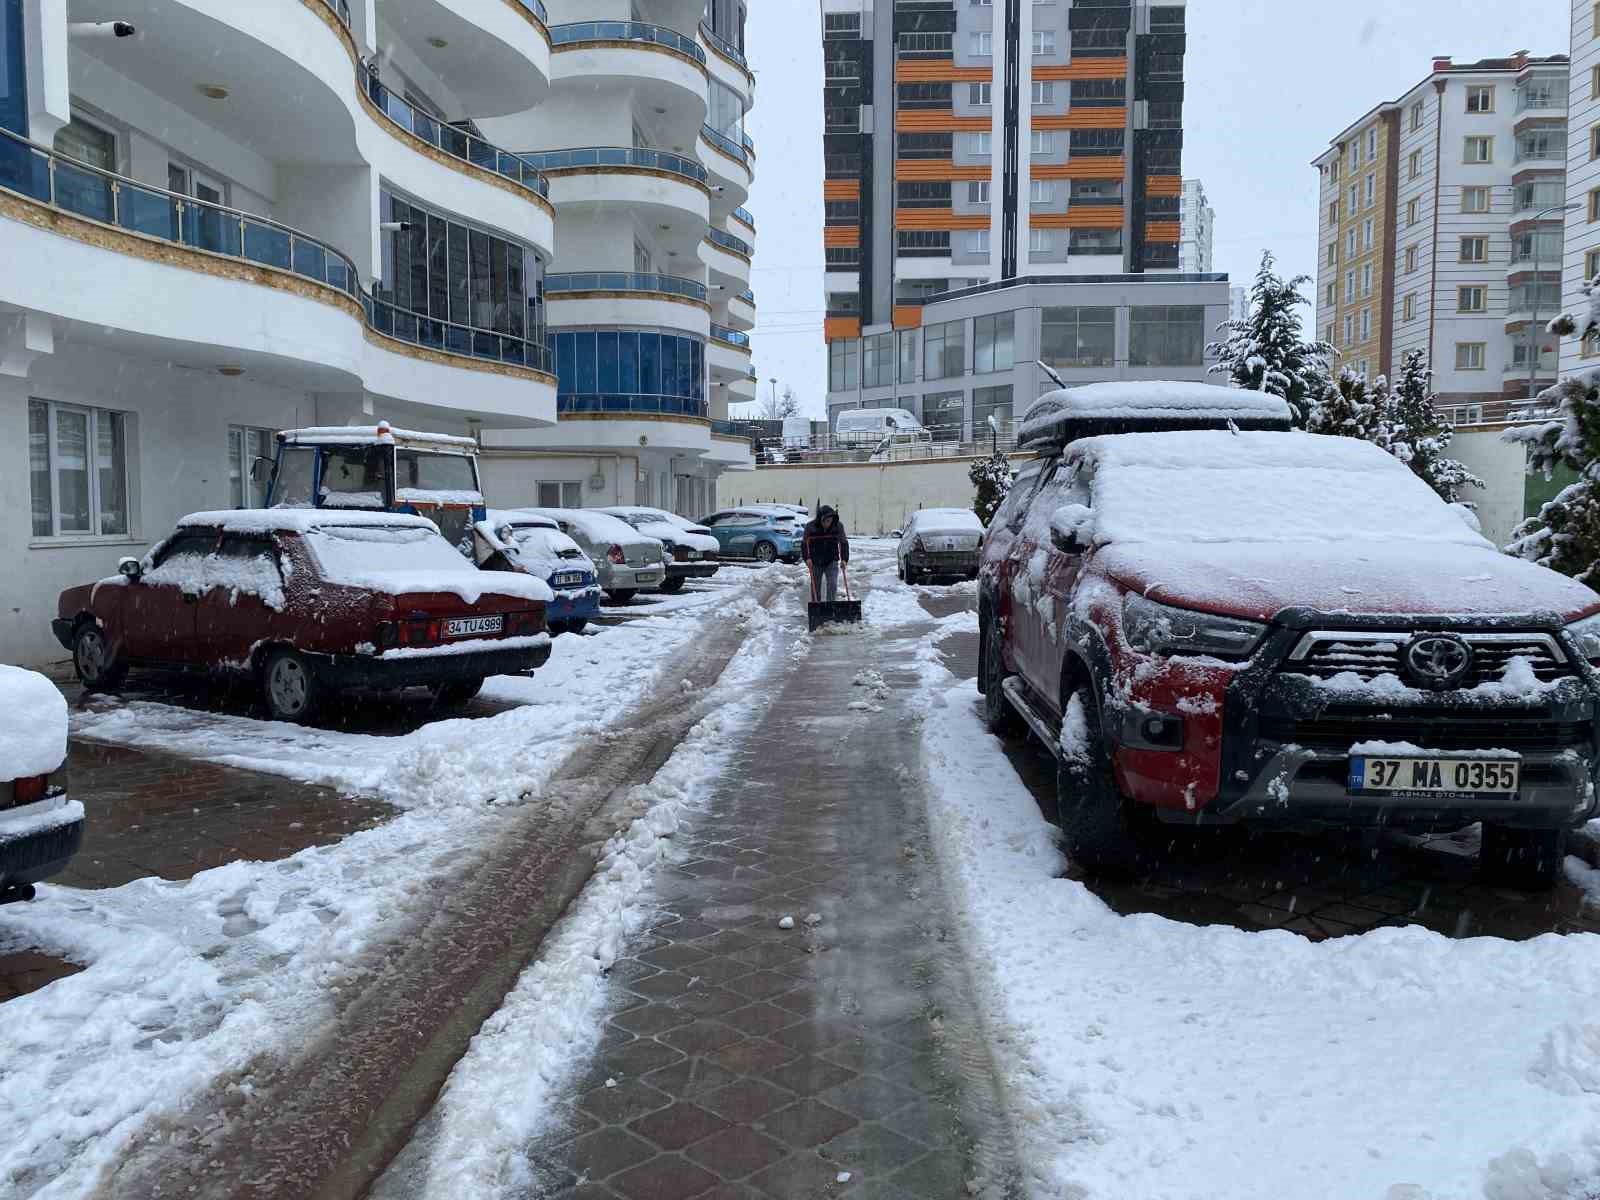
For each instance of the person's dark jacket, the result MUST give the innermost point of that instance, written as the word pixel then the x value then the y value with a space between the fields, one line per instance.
pixel 824 547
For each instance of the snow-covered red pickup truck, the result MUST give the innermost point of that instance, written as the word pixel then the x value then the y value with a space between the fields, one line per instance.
pixel 1282 629
pixel 41 826
pixel 308 602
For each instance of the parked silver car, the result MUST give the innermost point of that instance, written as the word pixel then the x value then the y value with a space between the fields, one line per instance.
pixel 939 541
pixel 692 553
pixel 627 561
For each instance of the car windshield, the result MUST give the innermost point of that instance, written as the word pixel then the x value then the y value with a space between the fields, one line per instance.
pixel 427 471
pixel 350 552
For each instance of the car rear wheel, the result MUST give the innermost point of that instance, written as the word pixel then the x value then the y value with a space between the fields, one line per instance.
pixel 899 570
pixel 622 595
pixel 1522 858
pixel 97 668
pixel 1097 822
pixel 912 576
pixel 289 687
pixel 673 586
pixel 1004 721
pixel 766 552
pixel 456 692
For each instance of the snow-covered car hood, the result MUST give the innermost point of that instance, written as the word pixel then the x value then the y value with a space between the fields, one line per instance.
pixel 675 534
pixel 1258 580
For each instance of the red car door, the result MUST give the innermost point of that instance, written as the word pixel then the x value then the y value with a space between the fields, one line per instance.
pixel 1060 576
pixel 1031 614
pixel 243 599
pixel 158 608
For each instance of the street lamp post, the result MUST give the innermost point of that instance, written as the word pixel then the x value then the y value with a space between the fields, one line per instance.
pixel 1533 324
pixel 994 436
pixel 773 380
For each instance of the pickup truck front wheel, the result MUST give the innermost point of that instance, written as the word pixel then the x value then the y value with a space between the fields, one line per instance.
pixel 1097 822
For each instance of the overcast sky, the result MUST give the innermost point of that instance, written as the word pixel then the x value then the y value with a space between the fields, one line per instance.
pixel 1269 83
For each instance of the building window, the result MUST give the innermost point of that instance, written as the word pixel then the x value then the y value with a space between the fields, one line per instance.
pixel 1044 91
pixel 877 360
pixel 978 241
pixel 635 370
pixel 1366 281
pixel 1372 189
pixel 979 93
pixel 1044 41
pixel 1480 99
pixel 561 493
pixel 978 191
pixel 944 350
pixel 1366 234
pixel 1594 143
pixel 1355 156
pixel 1333 253
pixel 1477 150
pixel 1366 327
pixel 1469 356
pixel 1594 81
pixel 1333 212
pixel 1044 142
pixel 1350 244
pixel 1416 116
pixel 1078 337
pixel 983 45
pixel 1591 264
pixel 1167 336
pixel 844 365
pixel 77 470
pixel 1411 258
pixel 1350 286
pixel 1349 329
pixel 245 446
pixel 1330 295
pixel 1416 163
pixel 1474 249
pixel 1040 241
pixel 945 414
pixel 1474 199
pixel 1409 307
pixel 1594 205
pixel 1472 298
pixel 1413 207
pixel 979 143
pixel 1041 191
pixel 991 402
pixel 1355 198
pixel 993 343
pixel 1372 144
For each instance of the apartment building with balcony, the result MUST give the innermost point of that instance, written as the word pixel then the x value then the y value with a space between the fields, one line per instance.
pixel 969 144
pixel 1581 236
pixel 1440 230
pixel 648 294
pixel 1197 223
pixel 243 218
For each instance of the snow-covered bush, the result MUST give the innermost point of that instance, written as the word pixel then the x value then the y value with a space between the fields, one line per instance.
pixel 1266 351
pixel 992 478
pixel 1352 408
pixel 1418 437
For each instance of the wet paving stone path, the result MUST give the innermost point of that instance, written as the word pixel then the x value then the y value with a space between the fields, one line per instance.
pixel 742 1060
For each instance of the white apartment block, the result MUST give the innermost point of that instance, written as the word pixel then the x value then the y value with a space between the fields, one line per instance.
pixel 1198 221
pixel 253 216
pixel 1581 248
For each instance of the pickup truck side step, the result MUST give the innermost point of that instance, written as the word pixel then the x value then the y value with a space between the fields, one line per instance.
pixel 1017 693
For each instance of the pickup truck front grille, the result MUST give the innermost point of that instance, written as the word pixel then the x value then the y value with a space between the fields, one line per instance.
pixel 1368 654
pixel 1338 730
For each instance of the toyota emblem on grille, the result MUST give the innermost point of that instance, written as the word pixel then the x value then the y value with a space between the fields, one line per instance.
pixel 1438 661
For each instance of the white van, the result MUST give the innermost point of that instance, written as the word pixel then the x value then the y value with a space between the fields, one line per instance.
pixel 875 424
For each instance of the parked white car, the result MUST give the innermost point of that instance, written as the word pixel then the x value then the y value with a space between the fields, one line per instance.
pixel 941 542
pixel 692 553
pixel 627 561
pixel 40 827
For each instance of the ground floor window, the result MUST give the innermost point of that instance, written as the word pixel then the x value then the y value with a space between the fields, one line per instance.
pixel 1165 335
pixel 944 413
pixel 566 493
pixel 245 445
pixel 78 470
pixel 991 401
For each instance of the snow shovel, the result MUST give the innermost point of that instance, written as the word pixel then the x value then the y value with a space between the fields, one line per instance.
pixel 838 612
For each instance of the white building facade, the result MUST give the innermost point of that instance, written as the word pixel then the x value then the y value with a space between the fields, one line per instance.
pixel 1198 221
pixel 222 221
pixel 1580 261
pixel 649 303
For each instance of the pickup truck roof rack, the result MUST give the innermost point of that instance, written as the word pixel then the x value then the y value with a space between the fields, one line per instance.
pixel 1144 406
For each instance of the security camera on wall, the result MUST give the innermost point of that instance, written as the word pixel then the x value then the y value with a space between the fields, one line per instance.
pixel 101 29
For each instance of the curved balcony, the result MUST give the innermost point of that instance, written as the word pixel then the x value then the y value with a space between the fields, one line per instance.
pixel 729 164
pixel 602 298
pixel 731 446
pixel 728 354
pixel 664 70
pixel 742 310
pixel 743 390
pixel 494 55
pixel 457 143
pixel 256 292
pixel 662 187
pixel 728 66
pixel 745 218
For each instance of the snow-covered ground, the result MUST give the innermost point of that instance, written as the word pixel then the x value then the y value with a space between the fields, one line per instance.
pixel 187 981
pixel 1152 1059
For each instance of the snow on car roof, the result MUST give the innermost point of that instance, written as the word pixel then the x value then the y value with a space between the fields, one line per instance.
pixel 497 517
pixel 956 516
pixel 298 520
pixel 1101 407
pixel 33 737
pixel 595 525
pixel 382 432
pixel 1216 486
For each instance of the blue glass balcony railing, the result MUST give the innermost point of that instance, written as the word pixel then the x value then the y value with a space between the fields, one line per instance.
pixel 729 242
pixel 450 338
pixel 728 428
pixel 623 281
pixel 537 8
pixel 749 145
pixel 748 296
pixel 625 402
pixel 732 337
pixel 724 143
pixel 627 31
pixel 744 214
pixel 616 156
pixel 724 45
pixel 457 143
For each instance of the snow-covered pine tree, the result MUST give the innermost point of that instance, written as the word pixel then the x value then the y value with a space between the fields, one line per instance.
pixel 1353 408
pixel 992 478
pixel 1417 436
pixel 1267 352
pixel 1565 535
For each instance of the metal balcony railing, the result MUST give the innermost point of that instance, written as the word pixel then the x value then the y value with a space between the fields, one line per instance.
pixel 1541 151
pixel 537 8
pixel 724 45
pixel 748 296
pixel 725 143
pixel 731 336
pixel 744 215
pixel 729 242
pixel 729 428
pixel 630 402
pixel 340 9
pixel 627 31
pixel 457 143
pixel 616 156
pixel 749 145
pixel 1536 102
pixel 623 281
pixel 451 338
pixel 926 45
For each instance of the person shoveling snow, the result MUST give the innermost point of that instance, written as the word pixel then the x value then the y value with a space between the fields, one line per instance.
pixel 826 550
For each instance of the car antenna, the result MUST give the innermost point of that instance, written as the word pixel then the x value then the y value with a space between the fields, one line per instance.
pixel 1232 428
pixel 1054 378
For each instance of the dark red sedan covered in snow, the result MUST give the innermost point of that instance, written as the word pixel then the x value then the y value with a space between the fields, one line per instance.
pixel 308 602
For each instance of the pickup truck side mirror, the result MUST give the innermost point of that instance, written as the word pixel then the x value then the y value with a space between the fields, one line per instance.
pixel 1072 528
pixel 130 567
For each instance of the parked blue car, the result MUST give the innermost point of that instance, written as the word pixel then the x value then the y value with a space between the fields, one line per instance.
pixel 761 534
pixel 535 545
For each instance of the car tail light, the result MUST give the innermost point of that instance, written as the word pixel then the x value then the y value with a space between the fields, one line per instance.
pixel 916 544
pixel 419 632
pixel 29 790
pixel 615 555
pixel 680 554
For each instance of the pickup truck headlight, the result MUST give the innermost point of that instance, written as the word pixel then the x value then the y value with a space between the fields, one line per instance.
pixel 1161 629
pixel 1587 634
